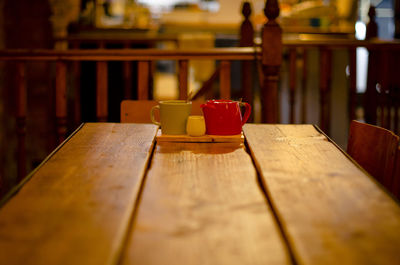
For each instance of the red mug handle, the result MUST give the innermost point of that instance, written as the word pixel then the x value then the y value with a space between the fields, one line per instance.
pixel 247 112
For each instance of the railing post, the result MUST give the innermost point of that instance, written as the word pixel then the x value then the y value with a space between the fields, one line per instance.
pixel 396 7
pixel 102 92
pixel 21 102
pixel 394 78
pixel 246 29
pixel 325 88
pixel 292 82
pixel 371 95
pixel 247 40
pixel 225 80
pixel 127 70
pixel 271 62
pixel 353 83
pixel 372 27
pixel 183 78
pixel 304 87
pixel 384 93
pixel 143 79
pixel 61 100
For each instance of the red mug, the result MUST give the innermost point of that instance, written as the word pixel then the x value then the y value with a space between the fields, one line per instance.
pixel 223 117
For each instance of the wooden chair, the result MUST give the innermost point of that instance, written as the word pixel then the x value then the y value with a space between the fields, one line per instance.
pixel 374 148
pixel 138 111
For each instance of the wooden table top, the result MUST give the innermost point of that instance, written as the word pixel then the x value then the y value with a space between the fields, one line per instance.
pixel 110 194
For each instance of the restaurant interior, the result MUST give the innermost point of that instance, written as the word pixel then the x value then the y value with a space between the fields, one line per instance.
pixel 323 76
pixel 199 132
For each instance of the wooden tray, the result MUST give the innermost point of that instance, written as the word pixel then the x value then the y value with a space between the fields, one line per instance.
pixel 239 138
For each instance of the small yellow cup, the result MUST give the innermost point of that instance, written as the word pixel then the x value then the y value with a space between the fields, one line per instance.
pixel 195 126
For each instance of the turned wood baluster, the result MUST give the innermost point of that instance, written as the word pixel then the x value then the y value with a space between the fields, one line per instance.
pixel 101 91
pixel 396 8
pixel 247 40
pixel 271 62
pixel 225 80
pixel 61 100
pixel 292 82
pixel 183 79
pixel 21 118
pixel 325 88
pixel 372 26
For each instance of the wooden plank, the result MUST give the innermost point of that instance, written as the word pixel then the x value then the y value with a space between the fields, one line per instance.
pixel 225 80
pixel 331 211
pixel 77 207
pixel 102 91
pixel 207 208
pixel 242 53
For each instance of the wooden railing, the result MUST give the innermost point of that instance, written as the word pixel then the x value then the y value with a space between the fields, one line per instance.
pixel 296 50
pixel 65 59
pixel 126 41
pixel 267 57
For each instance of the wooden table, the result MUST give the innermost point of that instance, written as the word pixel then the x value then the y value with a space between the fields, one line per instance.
pixel 112 195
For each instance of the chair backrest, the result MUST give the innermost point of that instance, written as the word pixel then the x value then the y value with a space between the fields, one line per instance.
pixel 138 111
pixel 374 148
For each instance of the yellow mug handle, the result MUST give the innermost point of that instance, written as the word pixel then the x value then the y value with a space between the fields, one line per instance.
pixel 152 115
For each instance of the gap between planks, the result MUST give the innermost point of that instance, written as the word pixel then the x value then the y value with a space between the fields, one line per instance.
pixel 271 205
pixel 132 219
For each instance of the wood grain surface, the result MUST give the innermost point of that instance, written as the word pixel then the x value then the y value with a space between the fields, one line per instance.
pixel 331 211
pixel 201 204
pixel 77 207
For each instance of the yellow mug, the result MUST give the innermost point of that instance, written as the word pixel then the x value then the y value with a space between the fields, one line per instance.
pixel 173 116
pixel 195 126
